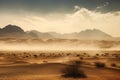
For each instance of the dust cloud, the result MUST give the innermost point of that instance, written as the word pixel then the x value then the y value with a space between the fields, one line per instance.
pixel 56 44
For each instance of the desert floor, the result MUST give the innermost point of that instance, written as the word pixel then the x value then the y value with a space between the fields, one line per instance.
pixel 50 69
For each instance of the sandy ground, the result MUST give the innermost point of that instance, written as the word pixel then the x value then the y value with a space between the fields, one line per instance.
pixel 52 71
pixel 19 67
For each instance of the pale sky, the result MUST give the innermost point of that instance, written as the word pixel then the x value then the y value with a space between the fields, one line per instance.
pixel 64 18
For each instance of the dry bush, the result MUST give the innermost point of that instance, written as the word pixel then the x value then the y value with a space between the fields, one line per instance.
pixel 73 71
pixel 99 64
pixel 113 65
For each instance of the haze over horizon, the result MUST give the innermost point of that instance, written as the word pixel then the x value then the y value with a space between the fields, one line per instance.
pixel 62 16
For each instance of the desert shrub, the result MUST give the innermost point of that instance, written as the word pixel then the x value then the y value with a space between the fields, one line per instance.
pixel 81 58
pixel 113 65
pixel 73 71
pixel 99 64
pixel 84 53
pixel 97 54
pixel 35 56
pixel 26 56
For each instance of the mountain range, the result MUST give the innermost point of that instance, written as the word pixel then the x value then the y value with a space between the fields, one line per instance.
pixel 17 32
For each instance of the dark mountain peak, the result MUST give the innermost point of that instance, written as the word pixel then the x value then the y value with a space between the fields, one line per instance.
pixel 12 28
pixel 12 31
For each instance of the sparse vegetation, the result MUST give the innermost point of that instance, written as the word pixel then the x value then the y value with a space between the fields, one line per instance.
pixel 54 63
pixel 99 64
pixel 81 58
pixel 97 54
pixel 74 71
pixel 113 65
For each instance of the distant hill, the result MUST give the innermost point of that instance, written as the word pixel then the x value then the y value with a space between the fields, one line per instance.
pixel 12 31
pixel 16 31
pixel 37 34
pixel 90 34
pixel 86 34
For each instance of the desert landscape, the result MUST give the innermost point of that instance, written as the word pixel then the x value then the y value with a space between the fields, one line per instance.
pixel 49 65
pixel 43 63
pixel 59 39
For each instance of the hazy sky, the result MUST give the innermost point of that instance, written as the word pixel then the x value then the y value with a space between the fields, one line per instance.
pixel 63 16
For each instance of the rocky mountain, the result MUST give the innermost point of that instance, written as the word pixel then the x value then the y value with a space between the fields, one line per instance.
pixel 86 34
pixel 16 31
pixel 12 31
